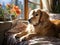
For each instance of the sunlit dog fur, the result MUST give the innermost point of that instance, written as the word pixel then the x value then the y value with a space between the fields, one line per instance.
pixel 40 25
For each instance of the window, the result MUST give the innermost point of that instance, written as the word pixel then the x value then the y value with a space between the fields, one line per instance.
pixel 25 5
pixel 20 3
pixel 33 4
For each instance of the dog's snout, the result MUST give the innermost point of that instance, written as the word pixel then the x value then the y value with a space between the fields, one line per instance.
pixel 29 20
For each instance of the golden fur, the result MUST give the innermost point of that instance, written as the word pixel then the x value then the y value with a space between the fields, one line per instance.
pixel 42 26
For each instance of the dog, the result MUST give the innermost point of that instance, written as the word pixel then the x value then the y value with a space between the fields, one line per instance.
pixel 40 25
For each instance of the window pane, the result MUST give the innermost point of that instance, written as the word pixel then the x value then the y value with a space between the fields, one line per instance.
pixel 33 4
pixel 4 2
pixel 21 6
pixel 36 1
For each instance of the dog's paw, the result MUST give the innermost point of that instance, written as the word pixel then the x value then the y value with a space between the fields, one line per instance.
pixel 23 38
pixel 27 37
pixel 19 35
pixel 16 37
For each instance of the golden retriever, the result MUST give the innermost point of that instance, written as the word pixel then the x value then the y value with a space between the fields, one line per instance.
pixel 40 25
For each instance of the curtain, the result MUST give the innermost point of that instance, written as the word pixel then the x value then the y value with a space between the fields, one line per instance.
pixel 51 5
pixel 45 4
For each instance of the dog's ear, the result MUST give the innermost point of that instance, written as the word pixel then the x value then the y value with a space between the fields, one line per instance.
pixel 45 16
pixel 33 12
pixel 39 11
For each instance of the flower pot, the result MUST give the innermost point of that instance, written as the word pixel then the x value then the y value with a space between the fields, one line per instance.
pixel 13 17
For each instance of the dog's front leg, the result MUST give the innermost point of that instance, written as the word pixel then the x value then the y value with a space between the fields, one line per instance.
pixel 27 37
pixel 21 34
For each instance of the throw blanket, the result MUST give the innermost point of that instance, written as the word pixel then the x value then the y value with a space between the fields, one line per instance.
pixel 35 41
pixel 11 40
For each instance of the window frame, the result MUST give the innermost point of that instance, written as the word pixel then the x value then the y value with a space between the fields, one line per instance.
pixel 26 8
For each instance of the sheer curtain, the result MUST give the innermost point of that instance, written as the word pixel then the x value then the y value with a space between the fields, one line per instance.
pixel 53 7
pixel 46 5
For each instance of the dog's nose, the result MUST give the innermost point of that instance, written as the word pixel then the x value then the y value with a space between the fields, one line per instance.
pixel 29 20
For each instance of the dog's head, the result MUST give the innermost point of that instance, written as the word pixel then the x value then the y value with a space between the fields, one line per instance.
pixel 38 16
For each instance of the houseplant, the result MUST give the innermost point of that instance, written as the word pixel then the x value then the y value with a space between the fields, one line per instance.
pixel 11 12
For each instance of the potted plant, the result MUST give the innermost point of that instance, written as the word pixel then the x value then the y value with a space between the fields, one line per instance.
pixel 10 13
pixel 15 11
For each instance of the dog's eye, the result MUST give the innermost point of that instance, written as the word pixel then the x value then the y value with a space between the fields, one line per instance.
pixel 36 14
